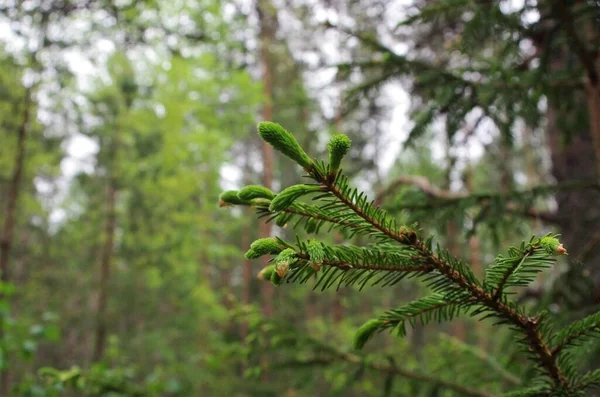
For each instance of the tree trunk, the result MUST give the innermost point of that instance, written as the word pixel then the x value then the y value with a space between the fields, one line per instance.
pixel 107 250
pixel 13 191
pixel 246 278
pixel 576 156
pixel 12 201
pixel 593 102
pixel 267 20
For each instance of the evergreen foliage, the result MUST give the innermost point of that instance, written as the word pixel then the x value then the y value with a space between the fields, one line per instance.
pixel 399 251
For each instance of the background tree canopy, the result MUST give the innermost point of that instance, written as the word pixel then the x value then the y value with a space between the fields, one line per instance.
pixel 474 124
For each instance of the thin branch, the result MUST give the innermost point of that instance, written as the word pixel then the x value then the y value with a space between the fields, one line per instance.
pixel 509 273
pixel 423 184
pixel 469 133
pixel 424 268
pixel 482 355
pixel 434 192
pixel 316 216
pixel 573 336
pixel 528 325
pixel 445 198
pixel 354 359
pixel 405 66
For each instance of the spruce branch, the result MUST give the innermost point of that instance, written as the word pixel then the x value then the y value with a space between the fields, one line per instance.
pixel 434 307
pixel 327 354
pixel 485 358
pixel 536 391
pixel 394 369
pixel 498 307
pixel 589 380
pixel 351 265
pixel 521 266
pixel 367 266
pixel 514 264
pixel 577 332
pixel 440 198
pixel 399 252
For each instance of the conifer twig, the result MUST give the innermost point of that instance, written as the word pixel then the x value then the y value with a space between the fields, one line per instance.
pixel 510 272
pixel 528 325
pixel 376 365
pixel 448 198
pixel 452 281
pixel 486 357
pixel 315 216
pixel 587 326
pixel 424 268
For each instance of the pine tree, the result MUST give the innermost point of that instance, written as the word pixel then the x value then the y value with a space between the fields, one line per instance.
pixel 397 252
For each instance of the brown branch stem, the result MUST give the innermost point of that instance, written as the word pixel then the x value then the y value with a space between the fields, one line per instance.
pixel 509 273
pixel 423 268
pixel 528 325
pixel 354 359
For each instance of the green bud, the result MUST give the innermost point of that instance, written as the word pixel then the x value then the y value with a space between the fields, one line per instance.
pixel 264 246
pixel 315 252
pixel 283 141
pixel 365 332
pixel 254 191
pixel 409 234
pixel 260 201
pixel 338 146
pixel 266 272
pixel 552 246
pixel 286 197
pixel 288 256
pixel 284 260
pixel 231 197
pixel 276 279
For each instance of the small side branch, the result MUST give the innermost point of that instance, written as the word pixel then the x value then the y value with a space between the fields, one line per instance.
pixel 528 325
pixel 509 273
pixel 442 198
pixel 388 368
pixel 424 268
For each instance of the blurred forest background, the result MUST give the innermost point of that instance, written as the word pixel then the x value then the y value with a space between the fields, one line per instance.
pixel 122 121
